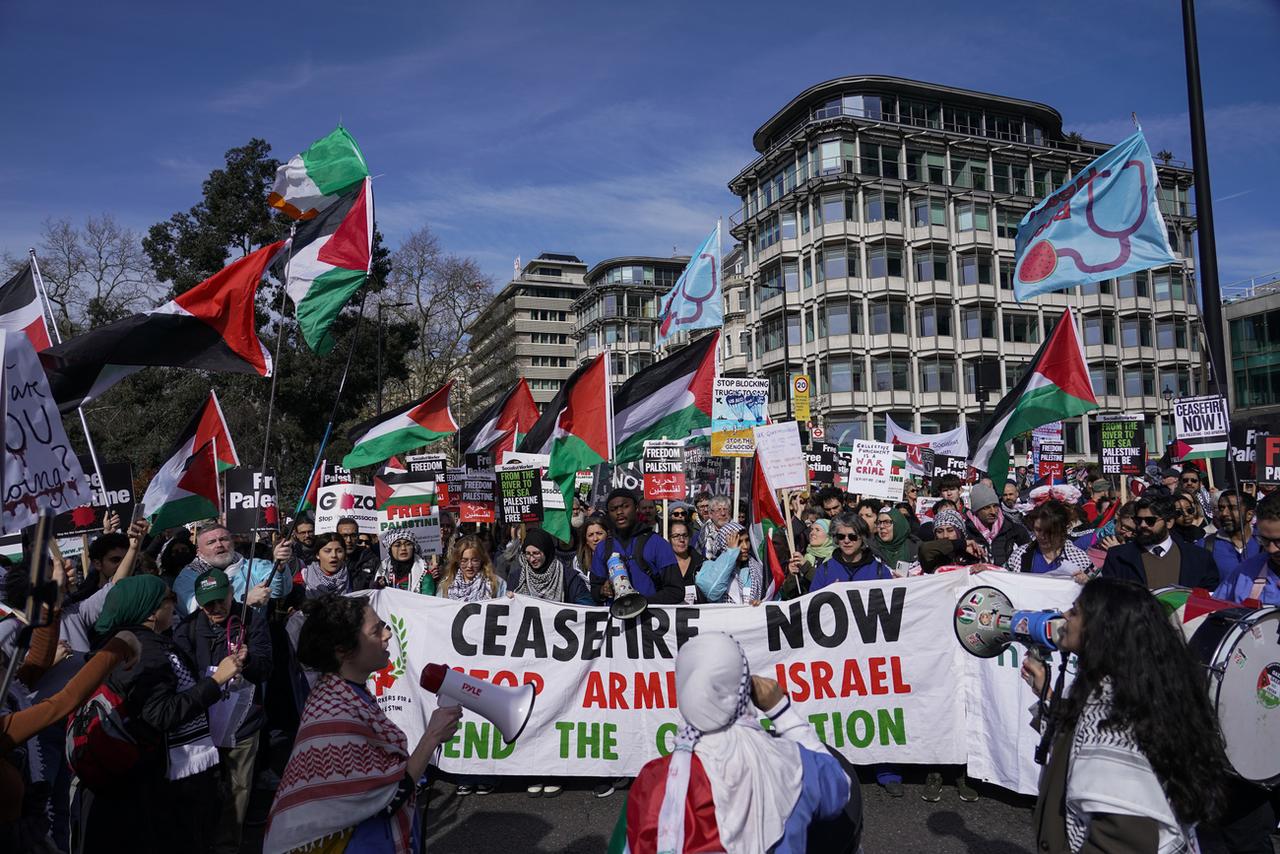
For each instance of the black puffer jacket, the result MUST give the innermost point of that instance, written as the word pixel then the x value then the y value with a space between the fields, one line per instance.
pixel 206 644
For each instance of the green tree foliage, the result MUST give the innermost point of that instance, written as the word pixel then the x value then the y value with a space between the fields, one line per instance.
pixel 139 419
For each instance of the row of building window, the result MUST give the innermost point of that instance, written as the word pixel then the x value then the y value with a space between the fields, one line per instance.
pixel 618 304
pixel 549 361
pixel 548 315
pixel 548 338
pixel 645 274
pixel 1255 358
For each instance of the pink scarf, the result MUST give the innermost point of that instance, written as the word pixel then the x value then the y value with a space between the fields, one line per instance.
pixel 988 535
pixel 347 763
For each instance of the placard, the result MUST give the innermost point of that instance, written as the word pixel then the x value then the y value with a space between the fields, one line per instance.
pixel 453 478
pixel 421 520
pixel 1052 460
pixel 781 456
pixel 432 464
pixel 823 463
pixel 1268 459
pixel 738 406
pixel 404 488
pixel 1201 426
pixel 520 494
pixel 1242 450
pixel 479 500
pixel 870 468
pixel 251 501
pixel 346 500
pixel 662 464
pixel 944 465
pixel 1121 444
pixel 478 461
pixel 332 474
pixel 552 499
pixel 88 518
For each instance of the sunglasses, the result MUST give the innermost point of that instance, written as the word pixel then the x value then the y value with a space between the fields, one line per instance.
pixel 1191 480
pixel 1146 521
pixel 847 537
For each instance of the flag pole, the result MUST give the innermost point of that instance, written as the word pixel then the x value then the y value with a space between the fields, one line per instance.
pixel 46 307
pixel 275 358
pixel 342 384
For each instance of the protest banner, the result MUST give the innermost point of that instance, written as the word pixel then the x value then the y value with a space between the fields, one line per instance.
pixel 40 466
pixel 870 468
pixel 1241 450
pixel 1201 427
pixel 421 519
pixel 823 464
pixel 951 442
pixel 873 666
pixel 1052 460
pixel 432 464
pixel 479 499
pixel 944 464
pixel 520 494
pixel 800 396
pixel 781 456
pixel 342 500
pixel 332 474
pixel 116 483
pixel 1121 445
pixel 737 407
pixel 662 465
pixel 552 499
pixel 1267 454
pixel 251 501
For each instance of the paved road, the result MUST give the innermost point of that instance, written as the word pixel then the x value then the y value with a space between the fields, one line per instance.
pixel 509 821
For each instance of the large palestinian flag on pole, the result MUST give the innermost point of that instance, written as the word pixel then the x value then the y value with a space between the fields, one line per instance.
pixel 313 180
pixel 576 429
pixel 213 425
pixel 764 516
pixel 210 328
pixel 329 260
pixel 501 426
pixel 21 309
pixel 411 426
pixel 670 399
pixel 1055 386
pixel 185 489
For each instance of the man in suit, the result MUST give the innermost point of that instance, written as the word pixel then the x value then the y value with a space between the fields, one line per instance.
pixel 1157 557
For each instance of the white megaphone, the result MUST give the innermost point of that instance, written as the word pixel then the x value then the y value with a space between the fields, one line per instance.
pixel 506 708
pixel 627 603
pixel 986 623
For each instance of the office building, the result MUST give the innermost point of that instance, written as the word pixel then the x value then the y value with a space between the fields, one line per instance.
pixel 617 311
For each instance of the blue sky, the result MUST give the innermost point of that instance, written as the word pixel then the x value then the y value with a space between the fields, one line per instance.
pixel 600 129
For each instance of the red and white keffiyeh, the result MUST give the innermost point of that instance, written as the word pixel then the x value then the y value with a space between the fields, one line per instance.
pixel 347 763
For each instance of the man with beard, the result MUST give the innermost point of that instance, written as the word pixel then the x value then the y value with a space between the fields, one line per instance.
pixel 362 560
pixel 710 539
pixel 304 536
pixel 1157 557
pixel 215 550
pixel 1233 543
pixel 650 561
pixel 1256 576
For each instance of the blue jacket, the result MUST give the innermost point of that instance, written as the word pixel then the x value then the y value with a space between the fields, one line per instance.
pixel 1196 569
pixel 1225 554
pixel 654 571
pixel 834 571
pixel 1237 584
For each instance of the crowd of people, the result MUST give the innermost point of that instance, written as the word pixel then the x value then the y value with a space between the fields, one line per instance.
pixel 186 670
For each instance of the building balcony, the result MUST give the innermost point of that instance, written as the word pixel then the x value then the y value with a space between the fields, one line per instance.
pixel 883 229
pixel 928 234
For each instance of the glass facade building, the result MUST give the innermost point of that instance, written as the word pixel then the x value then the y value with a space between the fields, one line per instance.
pixel 882 213
pixel 617 312
pixel 1253 339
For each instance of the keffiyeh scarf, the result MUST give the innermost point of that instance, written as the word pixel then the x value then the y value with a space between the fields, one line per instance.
pixel 190 746
pixel 546 584
pixel 475 590
pixel 347 765
pixel 318 583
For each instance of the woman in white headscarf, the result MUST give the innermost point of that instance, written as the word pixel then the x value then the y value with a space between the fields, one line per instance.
pixel 729 785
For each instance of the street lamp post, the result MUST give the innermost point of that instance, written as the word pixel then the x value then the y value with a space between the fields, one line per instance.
pixel 381 306
pixel 1167 394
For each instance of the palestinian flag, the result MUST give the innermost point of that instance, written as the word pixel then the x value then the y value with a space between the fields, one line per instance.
pixel 501 426
pixel 411 426
pixel 576 430
pixel 309 494
pixel 670 399
pixel 313 180
pixel 1190 450
pixel 185 489
pixel 764 516
pixel 210 328
pixel 213 424
pixel 20 308
pixel 1055 386
pixel 403 489
pixel 329 261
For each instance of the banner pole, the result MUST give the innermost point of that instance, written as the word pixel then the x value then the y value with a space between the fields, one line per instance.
pixel 47 308
pixel 737 485
pixel 275 358
pixel 342 384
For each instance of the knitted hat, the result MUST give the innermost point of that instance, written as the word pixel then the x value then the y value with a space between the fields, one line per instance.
pixel 948 517
pixel 621 492
pixel 982 496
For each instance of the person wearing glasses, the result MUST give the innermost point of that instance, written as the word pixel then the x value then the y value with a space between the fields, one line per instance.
pixel 680 534
pixel 1189 523
pixel 853 559
pixel 542 575
pixel 1191 483
pixel 209 635
pixel 1157 557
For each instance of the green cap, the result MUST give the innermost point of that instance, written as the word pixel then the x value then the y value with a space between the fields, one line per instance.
pixel 211 586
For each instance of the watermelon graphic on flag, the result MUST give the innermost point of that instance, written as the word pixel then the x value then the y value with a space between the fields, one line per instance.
pixel 1055 386
pixel 411 426
pixel 576 429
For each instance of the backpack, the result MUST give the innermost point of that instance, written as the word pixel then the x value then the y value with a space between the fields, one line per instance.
pixel 100 749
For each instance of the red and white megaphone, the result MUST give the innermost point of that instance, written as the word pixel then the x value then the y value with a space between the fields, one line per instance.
pixel 506 708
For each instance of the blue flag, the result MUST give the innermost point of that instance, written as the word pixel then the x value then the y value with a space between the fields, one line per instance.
pixel 694 302
pixel 1103 223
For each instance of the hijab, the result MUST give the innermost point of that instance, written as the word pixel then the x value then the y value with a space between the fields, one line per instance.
pixel 755 778
pixel 895 549
pixel 817 554
pixel 131 601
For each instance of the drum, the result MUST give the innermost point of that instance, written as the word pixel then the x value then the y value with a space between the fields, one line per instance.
pixel 1240 647
pixel 1187 608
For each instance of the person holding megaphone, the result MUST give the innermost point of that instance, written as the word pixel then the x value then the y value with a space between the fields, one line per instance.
pixel 650 563
pixel 351 781
pixel 1137 759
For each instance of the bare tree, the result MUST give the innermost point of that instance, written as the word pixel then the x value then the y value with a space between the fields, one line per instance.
pixel 445 294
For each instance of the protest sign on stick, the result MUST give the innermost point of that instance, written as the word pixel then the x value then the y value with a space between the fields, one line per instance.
pixel 737 407
pixel 115 484
pixel 870 468
pixel 663 466
pixel 346 500
pixel 479 496
pixel 520 494
pixel 781 455
pixel 1121 446
pixel 251 501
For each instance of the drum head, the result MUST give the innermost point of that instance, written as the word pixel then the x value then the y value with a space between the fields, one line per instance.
pixel 1248 698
